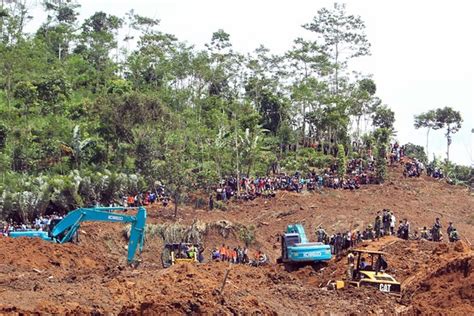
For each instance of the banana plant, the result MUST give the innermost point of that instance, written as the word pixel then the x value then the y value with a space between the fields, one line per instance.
pixel 251 143
pixel 77 146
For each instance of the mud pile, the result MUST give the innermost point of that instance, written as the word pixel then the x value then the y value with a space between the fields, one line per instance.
pixel 25 254
pixel 267 290
pixel 444 284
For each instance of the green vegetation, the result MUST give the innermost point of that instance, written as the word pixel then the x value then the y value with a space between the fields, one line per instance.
pixel 341 161
pixel 416 151
pixel 443 118
pixel 247 235
pixel 382 136
pixel 440 118
pixel 86 116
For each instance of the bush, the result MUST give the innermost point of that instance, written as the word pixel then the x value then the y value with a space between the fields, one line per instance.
pixel 22 197
pixel 306 158
pixel 341 161
pixel 220 205
pixel 416 151
pixel 3 136
pixel 200 203
pixel 247 235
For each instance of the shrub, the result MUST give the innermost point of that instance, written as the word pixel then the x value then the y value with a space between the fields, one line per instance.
pixel 416 151
pixel 305 159
pixel 341 161
pixel 247 235
pixel 24 197
pixel 220 205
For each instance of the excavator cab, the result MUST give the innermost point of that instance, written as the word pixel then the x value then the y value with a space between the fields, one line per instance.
pixel 297 251
pixel 51 226
pixel 369 270
pixel 60 236
pixel 288 240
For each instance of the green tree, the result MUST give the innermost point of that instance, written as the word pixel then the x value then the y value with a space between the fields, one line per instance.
pixel 341 162
pixel 428 121
pixel 307 59
pixel 416 151
pixel 382 136
pixel 97 40
pixel 176 168
pixel 383 117
pixel 362 100
pixel 27 94
pixel 264 88
pixel 59 29
pixel 450 119
pixel 342 36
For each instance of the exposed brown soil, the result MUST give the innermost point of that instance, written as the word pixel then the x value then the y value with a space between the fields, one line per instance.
pixel 92 276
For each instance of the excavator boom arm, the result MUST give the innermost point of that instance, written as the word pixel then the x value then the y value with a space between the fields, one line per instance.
pixel 67 227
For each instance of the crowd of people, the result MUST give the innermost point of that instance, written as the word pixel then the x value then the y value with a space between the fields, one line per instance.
pixel 397 153
pixel 413 168
pixel 238 255
pixel 40 223
pixel 189 251
pixel 359 172
pixel 434 172
pixel 436 234
pixel 159 194
pixel 384 225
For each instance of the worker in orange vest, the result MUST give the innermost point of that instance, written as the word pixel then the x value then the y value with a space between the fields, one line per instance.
pixel 131 201
pixel 234 256
pixel 223 253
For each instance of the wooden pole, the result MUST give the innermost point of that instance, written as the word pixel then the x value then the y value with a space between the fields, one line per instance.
pixel 225 278
pixel 468 241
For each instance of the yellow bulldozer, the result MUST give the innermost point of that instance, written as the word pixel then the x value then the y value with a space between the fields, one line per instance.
pixel 175 253
pixel 367 268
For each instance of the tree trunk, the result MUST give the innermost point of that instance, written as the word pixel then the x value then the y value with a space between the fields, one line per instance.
pixel 358 127
pixel 176 201
pixel 237 163
pixel 337 66
pixel 448 138
pixel 249 168
pixel 303 134
pixel 427 139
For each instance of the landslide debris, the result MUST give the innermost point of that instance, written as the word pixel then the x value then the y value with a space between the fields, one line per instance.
pixel 92 277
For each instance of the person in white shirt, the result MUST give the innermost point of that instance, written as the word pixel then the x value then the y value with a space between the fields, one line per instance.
pixel 393 221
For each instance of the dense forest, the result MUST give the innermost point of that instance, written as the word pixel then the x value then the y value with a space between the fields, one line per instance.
pixel 88 114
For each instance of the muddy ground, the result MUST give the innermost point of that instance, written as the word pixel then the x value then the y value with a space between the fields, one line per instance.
pixel 92 276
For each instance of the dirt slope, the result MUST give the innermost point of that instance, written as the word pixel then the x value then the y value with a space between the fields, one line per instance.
pixel 92 276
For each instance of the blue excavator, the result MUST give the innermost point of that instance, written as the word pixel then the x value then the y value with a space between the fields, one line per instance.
pixel 297 251
pixel 65 230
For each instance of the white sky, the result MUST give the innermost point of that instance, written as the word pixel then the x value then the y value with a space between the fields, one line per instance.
pixel 422 51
